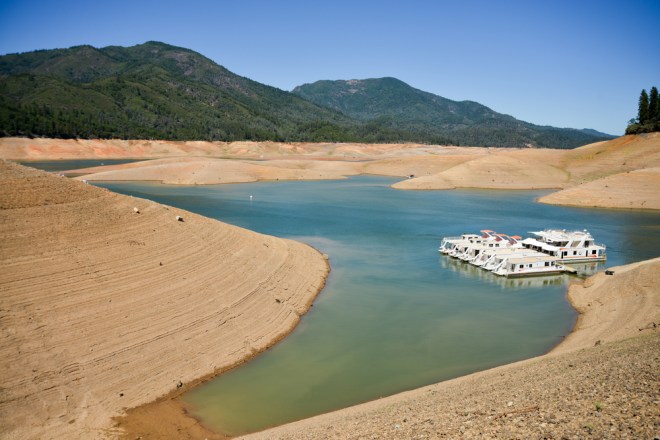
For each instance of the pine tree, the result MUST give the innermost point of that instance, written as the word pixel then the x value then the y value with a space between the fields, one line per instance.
pixel 643 115
pixel 654 105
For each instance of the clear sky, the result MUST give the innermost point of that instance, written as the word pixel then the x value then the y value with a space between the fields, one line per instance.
pixel 576 63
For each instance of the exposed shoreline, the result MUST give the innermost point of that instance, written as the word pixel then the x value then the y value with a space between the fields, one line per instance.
pixel 186 426
pixel 110 303
pixel 168 417
pixel 456 408
pixel 150 416
pixel 621 173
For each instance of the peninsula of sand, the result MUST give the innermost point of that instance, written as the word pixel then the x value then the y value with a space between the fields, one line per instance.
pixel 112 304
pixel 621 173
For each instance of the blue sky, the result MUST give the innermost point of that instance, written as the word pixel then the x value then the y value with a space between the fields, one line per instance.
pixel 578 64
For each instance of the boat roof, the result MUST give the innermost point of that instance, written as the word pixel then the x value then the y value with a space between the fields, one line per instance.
pixel 531 259
pixel 505 251
pixel 562 234
pixel 541 244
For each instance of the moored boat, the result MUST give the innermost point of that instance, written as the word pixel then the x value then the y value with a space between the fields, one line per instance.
pixel 497 256
pixel 567 246
pixel 476 253
pixel 510 256
pixel 540 264
pixel 456 246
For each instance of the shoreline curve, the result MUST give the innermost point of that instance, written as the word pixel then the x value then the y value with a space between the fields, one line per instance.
pixel 613 348
pixel 110 302
pixel 49 195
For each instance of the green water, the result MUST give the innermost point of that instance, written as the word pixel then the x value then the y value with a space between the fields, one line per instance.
pixel 55 166
pixel 394 314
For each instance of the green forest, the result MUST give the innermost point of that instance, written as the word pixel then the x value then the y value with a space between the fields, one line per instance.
pixel 648 115
pixel 158 91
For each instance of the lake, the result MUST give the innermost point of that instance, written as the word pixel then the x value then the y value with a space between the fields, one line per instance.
pixel 394 315
pixel 55 166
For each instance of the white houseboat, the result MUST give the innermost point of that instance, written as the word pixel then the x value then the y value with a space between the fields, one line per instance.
pixel 566 246
pixel 530 265
pixel 455 246
pixel 492 258
pixel 510 256
pixel 498 242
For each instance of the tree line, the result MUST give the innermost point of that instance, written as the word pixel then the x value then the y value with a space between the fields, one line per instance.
pixel 648 115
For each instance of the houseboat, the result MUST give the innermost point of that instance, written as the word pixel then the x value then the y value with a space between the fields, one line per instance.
pixel 541 264
pixel 566 246
pixel 492 258
pixel 546 253
pixel 455 246
pixel 497 242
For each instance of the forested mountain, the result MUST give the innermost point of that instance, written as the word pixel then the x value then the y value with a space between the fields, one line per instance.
pixel 158 91
pixel 396 105
pixel 152 90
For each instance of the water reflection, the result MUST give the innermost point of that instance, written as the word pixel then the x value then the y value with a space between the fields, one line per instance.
pixel 588 268
pixel 467 270
pixel 55 166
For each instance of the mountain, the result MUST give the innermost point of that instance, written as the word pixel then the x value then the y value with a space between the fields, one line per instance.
pixel 152 90
pixel 394 104
pixel 157 91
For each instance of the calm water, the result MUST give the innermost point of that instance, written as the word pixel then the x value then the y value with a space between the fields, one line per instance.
pixel 55 166
pixel 394 314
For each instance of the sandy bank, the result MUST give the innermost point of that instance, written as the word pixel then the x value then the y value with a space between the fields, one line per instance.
pixel 600 382
pixel 208 171
pixel 639 189
pixel 92 324
pixel 496 171
pixel 104 308
pixel 432 166
pixel 54 149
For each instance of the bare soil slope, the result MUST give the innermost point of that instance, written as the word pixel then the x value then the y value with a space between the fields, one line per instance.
pixel 431 166
pixel 639 189
pixel 105 308
pixel 496 171
pixel 208 171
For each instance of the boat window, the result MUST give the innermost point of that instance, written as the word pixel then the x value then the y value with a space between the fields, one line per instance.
pixel 547 263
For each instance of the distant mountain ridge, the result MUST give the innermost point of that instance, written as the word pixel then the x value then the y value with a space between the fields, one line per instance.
pixel 157 91
pixel 402 107
pixel 150 91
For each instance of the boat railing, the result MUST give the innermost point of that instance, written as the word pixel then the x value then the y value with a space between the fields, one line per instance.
pixel 451 238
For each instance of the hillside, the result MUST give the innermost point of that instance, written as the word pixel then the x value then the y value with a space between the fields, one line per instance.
pixel 391 103
pixel 150 91
pixel 157 91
